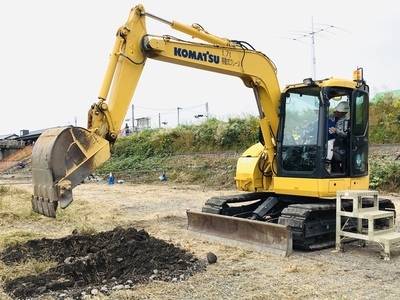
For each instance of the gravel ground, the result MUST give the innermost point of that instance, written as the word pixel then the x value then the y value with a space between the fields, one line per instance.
pixel 239 273
pixel 159 210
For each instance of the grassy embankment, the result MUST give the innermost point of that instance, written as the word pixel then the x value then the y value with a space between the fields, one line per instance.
pixel 206 154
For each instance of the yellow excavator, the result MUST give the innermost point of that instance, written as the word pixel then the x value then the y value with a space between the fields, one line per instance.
pixel 289 177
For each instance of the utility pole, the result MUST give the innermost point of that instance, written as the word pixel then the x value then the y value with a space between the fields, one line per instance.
pixel 178 113
pixel 314 60
pixel 133 119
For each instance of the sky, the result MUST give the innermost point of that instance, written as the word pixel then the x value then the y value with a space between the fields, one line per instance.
pixel 54 55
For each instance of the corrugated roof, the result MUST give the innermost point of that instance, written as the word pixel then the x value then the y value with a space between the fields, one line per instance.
pixel 10 136
pixel 32 134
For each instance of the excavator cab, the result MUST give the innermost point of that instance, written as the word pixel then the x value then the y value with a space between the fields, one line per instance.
pixel 305 147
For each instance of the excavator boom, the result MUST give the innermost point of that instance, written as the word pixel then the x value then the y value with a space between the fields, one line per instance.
pixel 64 157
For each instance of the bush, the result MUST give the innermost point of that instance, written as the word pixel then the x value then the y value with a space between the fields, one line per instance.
pixel 149 151
pixel 385 120
pixel 385 176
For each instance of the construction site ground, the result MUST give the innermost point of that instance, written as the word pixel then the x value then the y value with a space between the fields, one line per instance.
pixel 141 249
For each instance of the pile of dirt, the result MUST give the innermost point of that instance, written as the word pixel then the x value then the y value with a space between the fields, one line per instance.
pixel 98 263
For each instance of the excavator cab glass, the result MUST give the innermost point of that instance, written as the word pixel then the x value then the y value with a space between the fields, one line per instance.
pixel 300 133
pixel 306 145
pixel 358 136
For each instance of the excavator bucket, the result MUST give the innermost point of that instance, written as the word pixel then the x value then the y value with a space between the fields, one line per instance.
pixel 261 236
pixel 61 159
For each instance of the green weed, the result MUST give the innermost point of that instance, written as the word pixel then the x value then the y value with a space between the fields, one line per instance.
pixel 144 155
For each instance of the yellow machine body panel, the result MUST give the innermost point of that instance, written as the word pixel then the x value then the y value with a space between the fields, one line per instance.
pixel 320 188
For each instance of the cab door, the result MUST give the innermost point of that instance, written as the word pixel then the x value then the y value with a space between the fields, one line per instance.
pixel 359 122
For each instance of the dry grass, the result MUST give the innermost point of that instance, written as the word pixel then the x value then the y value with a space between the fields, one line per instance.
pixel 239 273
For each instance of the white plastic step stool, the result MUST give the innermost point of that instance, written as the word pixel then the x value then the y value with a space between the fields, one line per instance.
pixel 386 237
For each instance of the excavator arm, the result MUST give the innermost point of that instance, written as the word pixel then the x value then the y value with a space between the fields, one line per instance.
pixel 63 157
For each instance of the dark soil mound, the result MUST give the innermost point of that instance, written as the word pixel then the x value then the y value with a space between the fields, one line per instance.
pixel 108 260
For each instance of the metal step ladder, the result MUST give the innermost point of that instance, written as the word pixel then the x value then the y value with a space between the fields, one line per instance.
pixel 386 237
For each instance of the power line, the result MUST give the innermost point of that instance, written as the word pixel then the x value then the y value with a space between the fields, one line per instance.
pixel 164 112
pixel 169 109
pixel 151 108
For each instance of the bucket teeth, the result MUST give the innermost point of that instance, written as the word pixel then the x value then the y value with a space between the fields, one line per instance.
pixel 61 159
pixel 44 206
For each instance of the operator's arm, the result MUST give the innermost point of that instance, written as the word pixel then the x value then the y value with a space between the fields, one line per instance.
pixel 340 130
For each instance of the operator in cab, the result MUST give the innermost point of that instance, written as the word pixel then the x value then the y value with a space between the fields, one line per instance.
pixel 340 120
pixel 339 133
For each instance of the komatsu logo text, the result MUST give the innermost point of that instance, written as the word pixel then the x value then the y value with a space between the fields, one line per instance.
pixel 202 56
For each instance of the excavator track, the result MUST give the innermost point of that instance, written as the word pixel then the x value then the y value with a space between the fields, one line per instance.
pixel 221 204
pixel 312 224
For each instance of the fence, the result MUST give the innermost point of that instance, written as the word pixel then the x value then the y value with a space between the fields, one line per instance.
pixel 11 143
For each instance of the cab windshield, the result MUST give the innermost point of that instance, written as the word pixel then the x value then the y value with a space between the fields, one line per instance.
pixel 301 121
pixel 308 116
